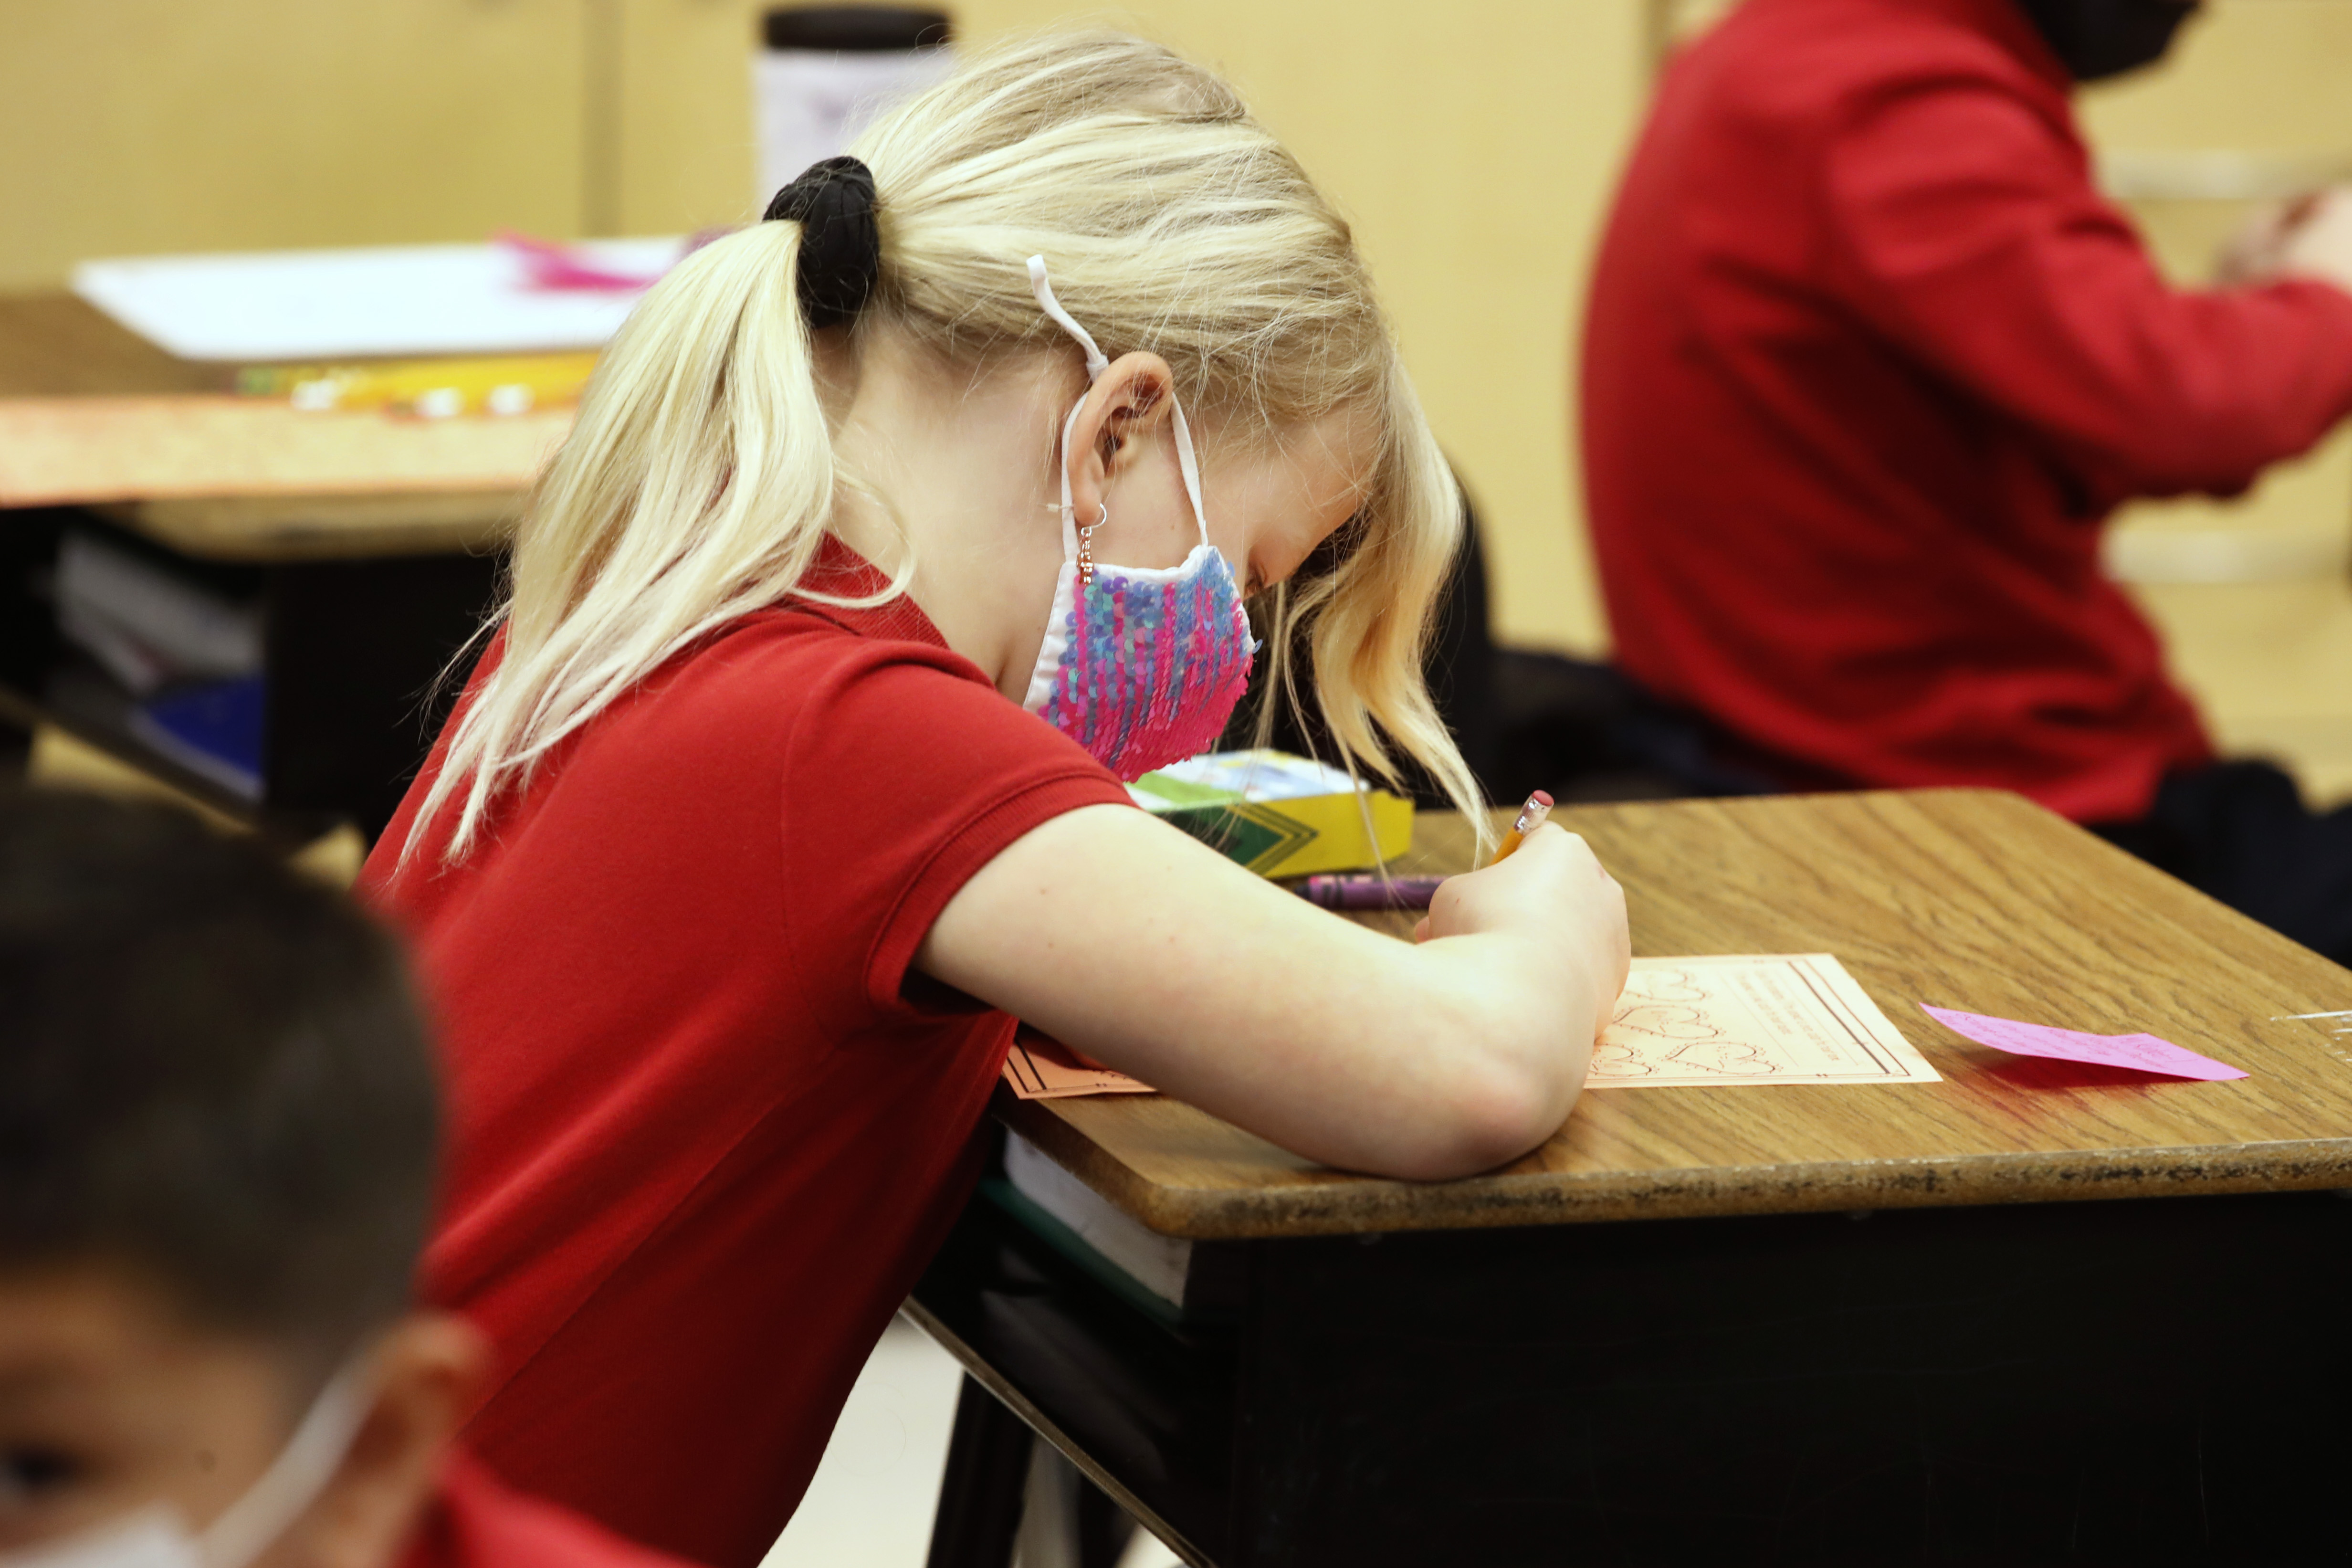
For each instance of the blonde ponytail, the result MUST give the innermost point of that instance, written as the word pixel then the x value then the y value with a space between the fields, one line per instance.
pixel 698 481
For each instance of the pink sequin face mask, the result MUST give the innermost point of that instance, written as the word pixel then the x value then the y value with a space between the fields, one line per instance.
pixel 1140 666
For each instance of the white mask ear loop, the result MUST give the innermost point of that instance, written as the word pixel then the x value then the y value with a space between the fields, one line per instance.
pixel 1187 463
pixel 295 1478
pixel 1095 363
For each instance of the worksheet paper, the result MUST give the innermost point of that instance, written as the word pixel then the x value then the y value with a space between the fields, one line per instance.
pixel 1682 1023
pixel 1686 1023
pixel 384 300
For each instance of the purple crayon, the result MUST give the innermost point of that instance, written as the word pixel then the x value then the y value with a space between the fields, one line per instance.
pixel 1361 892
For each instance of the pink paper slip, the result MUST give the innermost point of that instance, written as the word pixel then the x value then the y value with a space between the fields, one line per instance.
pixel 2144 1053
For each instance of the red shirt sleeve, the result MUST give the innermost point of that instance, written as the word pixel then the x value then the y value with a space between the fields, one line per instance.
pixel 1967 230
pixel 899 785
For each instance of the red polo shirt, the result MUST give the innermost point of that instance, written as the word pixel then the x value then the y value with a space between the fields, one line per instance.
pixel 1869 361
pixel 703 1142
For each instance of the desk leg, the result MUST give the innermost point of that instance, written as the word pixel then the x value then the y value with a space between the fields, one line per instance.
pixel 980 1495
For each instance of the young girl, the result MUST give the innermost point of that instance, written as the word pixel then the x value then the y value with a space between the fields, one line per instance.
pixel 742 855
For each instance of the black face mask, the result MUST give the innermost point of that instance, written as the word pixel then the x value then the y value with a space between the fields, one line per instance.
pixel 2098 39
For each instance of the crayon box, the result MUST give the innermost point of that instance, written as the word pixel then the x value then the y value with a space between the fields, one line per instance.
pixel 1278 815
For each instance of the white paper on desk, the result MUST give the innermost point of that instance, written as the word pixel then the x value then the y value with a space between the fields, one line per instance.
pixel 387 299
pixel 1780 1018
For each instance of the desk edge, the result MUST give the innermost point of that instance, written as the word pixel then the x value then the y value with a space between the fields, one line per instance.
pixel 1352 1205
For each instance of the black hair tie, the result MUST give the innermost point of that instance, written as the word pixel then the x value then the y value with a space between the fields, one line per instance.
pixel 841 249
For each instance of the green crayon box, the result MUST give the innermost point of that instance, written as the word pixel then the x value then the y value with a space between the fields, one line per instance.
pixel 1280 815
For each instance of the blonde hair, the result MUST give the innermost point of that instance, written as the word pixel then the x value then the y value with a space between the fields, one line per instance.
pixel 698 481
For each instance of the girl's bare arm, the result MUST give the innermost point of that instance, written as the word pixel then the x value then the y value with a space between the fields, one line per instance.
pixel 1126 939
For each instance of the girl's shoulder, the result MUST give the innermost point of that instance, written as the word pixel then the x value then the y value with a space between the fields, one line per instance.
pixel 803 686
pixel 784 655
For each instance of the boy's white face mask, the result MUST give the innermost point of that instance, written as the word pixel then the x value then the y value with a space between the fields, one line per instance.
pixel 157 1536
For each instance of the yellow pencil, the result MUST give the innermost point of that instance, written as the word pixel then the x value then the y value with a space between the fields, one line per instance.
pixel 1531 816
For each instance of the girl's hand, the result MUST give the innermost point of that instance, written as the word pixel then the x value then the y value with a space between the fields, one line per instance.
pixel 1554 891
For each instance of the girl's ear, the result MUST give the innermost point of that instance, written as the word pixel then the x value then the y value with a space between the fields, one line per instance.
pixel 1131 397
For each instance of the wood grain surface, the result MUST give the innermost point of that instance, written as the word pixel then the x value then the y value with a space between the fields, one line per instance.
pixel 58 345
pixel 1972 900
pixel 92 415
pixel 317 527
pixel 273 477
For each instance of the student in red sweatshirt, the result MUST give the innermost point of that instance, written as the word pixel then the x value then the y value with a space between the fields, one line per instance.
pixel 216 1136
pixel 1869 363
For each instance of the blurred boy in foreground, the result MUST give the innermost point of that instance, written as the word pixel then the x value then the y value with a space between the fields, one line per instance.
pixel 217 1123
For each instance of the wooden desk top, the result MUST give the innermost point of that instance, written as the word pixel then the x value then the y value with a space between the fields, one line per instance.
pixel 60 345
pixel 1966 898
pixel 93 415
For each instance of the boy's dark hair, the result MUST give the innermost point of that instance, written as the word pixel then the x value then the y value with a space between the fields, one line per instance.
pixel 211 1071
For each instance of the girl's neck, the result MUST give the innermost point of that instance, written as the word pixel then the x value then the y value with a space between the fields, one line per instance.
pixel 959 469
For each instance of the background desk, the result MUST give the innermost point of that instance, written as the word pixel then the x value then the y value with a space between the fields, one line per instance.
pixel 373 543
pixel 1819 1324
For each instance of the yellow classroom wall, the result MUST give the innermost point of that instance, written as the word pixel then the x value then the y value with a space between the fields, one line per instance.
pixel 1474 146
pixel 131 126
